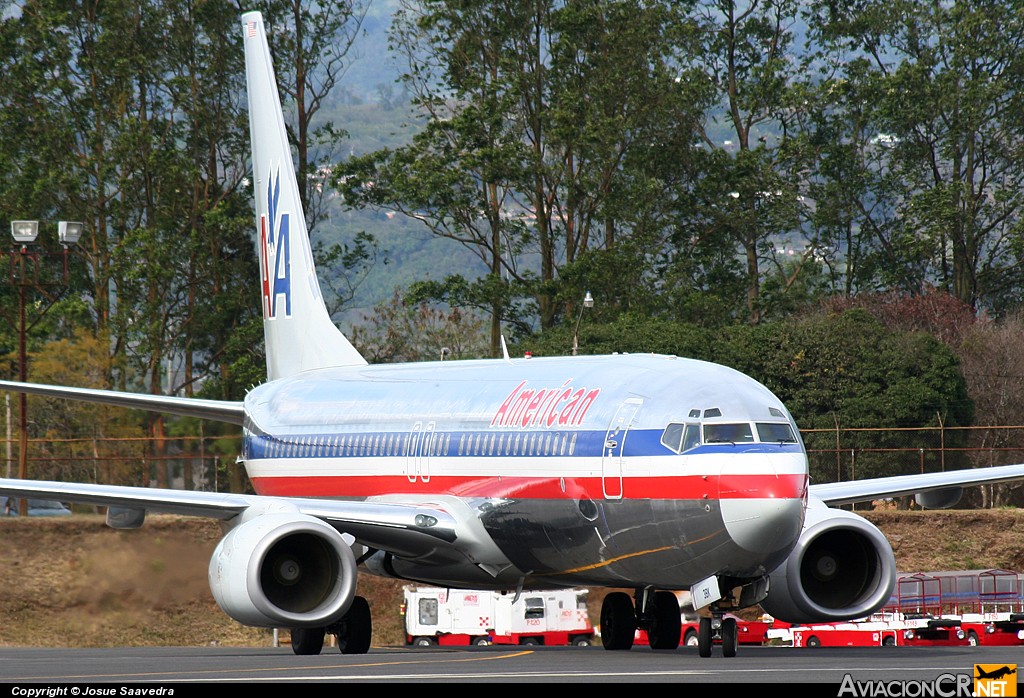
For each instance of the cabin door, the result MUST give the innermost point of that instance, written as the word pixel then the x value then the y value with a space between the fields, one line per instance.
pixel 417 455
pixel 614 447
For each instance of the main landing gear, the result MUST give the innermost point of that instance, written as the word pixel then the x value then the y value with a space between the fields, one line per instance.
pixel 353 632
pixel 657 613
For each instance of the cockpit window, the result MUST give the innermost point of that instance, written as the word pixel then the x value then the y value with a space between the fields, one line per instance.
pixel 681 437
pixel 771 432
pixel 673 436
pixel 684 436
pixel 728 433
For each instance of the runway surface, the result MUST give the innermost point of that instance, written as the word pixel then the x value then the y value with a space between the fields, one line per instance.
pixel 34 673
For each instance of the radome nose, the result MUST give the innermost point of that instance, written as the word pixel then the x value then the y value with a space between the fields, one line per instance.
pixel 763 525
pixel 763 504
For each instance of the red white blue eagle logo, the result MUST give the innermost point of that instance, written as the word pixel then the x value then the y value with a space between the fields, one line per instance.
pixel 275 254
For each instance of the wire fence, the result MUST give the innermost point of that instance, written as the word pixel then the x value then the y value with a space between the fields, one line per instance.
pixel 201 463
pixel 840 454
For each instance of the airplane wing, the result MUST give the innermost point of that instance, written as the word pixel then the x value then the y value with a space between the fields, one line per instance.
pixel 390 526
pixel 216 410
pixel 836 493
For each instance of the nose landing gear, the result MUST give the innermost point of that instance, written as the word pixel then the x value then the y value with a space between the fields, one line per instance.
pixel 717 627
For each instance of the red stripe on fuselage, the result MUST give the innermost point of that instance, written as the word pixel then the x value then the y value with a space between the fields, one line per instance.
pixel 690 487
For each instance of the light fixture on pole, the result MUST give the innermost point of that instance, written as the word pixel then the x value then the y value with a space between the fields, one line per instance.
pixel 588 302
pixel 68 232
pixel 25 233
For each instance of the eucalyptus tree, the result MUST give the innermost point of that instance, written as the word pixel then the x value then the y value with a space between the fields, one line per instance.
pixel 748 200
pixel 541 121
pixel 937 84
pixel 313 45
pixel 137 129
pixel 72 82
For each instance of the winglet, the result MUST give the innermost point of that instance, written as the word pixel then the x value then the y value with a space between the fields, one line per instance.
pixel 298 330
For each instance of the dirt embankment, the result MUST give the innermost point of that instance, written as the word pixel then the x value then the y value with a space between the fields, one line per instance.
pixel 75 582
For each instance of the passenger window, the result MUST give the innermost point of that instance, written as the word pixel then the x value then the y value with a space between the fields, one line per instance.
pixel 728 433
pixel 775 433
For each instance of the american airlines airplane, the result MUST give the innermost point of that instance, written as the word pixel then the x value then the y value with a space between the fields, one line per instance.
pixel 645 472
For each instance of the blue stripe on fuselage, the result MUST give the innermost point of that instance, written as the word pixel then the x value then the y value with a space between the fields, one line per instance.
pixel 540 444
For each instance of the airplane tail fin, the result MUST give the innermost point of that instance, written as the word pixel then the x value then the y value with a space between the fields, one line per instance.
pixel 297 328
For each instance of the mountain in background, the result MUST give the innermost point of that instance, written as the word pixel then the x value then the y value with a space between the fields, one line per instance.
pixel 372 106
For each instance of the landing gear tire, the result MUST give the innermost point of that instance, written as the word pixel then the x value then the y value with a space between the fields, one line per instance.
pixel 730 637
pixel 666 623
pixel 704 637
pixel 355 630
pixel 307 641
pixel 618 621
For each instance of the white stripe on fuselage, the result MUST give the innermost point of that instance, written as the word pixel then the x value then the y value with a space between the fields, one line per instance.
pixel 526 466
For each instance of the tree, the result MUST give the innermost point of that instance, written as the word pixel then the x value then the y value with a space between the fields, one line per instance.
pixel 81 438
pixel 849 371
pixel 937 83
pixel 147 147
pixel 312 44
pixel 400 331
pixel 746 199
pixel 993 367
pixel 541 122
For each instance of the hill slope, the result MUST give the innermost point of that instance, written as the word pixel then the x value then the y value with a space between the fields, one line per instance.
pixel 76 583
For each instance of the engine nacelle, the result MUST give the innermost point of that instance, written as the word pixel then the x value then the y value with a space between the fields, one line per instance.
pixel 842 568
pixel 940 499
pixel 283 571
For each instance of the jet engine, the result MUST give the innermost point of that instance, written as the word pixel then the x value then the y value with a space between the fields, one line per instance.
pixel 283 570
pixel 842 568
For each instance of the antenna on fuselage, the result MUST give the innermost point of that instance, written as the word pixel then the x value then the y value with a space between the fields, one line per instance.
pixel 504 349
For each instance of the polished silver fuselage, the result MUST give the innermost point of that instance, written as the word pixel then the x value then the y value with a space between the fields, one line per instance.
pixel 562 467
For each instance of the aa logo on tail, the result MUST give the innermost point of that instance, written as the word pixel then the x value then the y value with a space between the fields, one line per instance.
pixel 275 254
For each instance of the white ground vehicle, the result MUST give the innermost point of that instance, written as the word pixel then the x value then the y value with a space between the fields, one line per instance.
pixel 440 616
